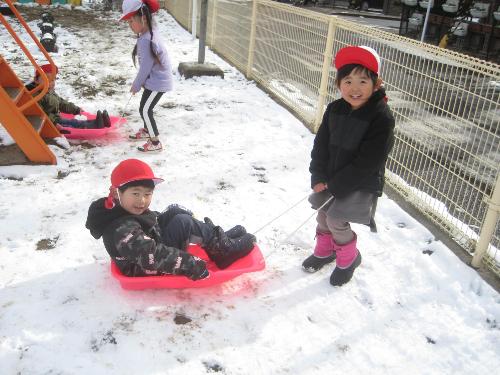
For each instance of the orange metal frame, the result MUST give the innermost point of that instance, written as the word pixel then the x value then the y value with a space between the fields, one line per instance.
pixel 22 116
pixel 43 87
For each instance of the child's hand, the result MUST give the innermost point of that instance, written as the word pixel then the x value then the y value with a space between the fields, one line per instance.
pixel 133 91
pixel 320 187
pixel 199 270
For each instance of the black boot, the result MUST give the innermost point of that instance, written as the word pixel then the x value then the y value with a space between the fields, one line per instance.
pixel 313 263
pixel 234 232
pixel 341 276
pixel 99 122
pixel 224 250
pixel 105 118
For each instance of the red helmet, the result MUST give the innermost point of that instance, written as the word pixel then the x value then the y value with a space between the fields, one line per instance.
pixel 127 171
pixel 361 55
pixel 132 170
pixel 47 68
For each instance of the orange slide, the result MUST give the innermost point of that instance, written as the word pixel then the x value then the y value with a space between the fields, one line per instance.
pixel 20 114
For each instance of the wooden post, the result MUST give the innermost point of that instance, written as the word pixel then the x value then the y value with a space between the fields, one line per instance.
pixel 489 225
pixel 251 45
pixel 327 62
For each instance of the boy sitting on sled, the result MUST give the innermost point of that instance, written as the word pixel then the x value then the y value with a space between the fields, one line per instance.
pixel 143 242
pixel 52 104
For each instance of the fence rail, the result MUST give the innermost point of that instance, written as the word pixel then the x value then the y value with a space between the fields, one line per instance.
pixel 446 158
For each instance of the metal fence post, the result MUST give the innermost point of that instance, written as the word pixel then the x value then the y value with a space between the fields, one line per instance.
pixel 327 62
pixel 489 225
pixel 203 31
pixel 251 45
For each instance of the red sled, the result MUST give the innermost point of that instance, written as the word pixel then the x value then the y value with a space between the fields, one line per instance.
pixel 74 133
pixel 253 262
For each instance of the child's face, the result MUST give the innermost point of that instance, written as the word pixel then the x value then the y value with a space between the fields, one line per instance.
pixel 356 88
pixel 52 80
pixel 137 24
pixel 136 199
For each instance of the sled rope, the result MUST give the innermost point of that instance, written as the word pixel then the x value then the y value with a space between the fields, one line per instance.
pixel 300 226
pixel 122 113
pixel 126 105
pixel 305 221
pixel 280 215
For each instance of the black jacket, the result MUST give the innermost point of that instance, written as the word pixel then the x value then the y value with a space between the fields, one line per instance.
pixel 134 242
pixel 351 147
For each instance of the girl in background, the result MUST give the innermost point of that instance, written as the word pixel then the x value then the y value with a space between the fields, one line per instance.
pixel 155 71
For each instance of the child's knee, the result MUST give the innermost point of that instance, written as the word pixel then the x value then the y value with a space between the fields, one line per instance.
pixel 182 219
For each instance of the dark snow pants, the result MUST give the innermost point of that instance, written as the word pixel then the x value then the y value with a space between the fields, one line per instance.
pixel 180 229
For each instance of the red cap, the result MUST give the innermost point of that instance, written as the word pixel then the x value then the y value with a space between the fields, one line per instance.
pixel 127 171
pixel 362 55
pixel 47 68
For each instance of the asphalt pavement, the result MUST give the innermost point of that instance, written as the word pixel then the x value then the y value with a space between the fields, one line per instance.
pixel 372 17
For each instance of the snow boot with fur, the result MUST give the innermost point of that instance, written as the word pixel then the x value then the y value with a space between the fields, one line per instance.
pixel 348 259
pixel 323 253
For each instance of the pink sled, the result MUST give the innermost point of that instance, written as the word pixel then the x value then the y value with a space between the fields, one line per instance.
pixel 74 133
pixel 251 263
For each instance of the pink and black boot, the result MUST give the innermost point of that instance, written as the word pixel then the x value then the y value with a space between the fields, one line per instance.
pixel 323 253
pixel 348 259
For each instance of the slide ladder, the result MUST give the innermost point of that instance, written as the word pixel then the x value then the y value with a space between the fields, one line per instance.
pixel 20 114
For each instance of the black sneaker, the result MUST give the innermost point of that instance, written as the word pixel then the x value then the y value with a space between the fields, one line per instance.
pixel 106 119
pixel 342 276
pixel 314 264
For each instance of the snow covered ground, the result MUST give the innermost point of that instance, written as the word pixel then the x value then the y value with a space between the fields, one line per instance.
pixel 235 155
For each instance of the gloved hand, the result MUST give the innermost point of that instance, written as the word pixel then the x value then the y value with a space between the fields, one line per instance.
pixel 199 270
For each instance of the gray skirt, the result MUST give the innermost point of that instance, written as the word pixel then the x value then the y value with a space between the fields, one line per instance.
pixel 354 208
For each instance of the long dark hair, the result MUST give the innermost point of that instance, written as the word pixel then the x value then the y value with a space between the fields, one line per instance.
pixel 146 12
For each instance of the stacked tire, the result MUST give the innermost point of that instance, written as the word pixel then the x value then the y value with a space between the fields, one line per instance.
pixel 48 37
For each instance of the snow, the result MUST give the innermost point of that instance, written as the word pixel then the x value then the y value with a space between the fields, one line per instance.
pixel 236 156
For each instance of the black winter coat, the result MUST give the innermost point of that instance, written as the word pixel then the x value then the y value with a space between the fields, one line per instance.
pixel 351 147
pixel 134 242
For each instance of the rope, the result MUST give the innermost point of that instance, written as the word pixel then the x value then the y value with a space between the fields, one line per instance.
pixel 126 105
pixel 280 215
pixel 305 221
pixel 122 114
pixel 300 226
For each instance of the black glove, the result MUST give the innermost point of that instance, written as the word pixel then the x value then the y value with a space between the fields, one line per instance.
pixel 199 270
pixel 194 268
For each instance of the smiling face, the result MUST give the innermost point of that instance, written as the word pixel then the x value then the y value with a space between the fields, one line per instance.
pixel 357 87
pixel 135 199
